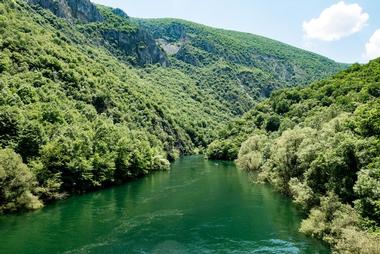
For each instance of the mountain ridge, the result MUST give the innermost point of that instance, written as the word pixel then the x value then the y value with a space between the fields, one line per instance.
pixel 82 10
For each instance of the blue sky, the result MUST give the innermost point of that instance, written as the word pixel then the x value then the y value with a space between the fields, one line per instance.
pixel 341 30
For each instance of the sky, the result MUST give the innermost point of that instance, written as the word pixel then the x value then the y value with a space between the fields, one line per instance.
pixel 345 31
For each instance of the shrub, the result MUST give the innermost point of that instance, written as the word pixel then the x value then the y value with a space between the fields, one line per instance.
pixel 16 184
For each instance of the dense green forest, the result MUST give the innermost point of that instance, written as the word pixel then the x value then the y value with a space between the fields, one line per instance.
pixel 92 98
pixel 321 146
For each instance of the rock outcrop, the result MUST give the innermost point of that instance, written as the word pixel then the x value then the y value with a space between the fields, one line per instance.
pixel 120 13
pixel 72 10
pixel 137 45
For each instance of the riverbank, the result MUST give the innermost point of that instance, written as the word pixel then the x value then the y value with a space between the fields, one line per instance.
pixel 199 206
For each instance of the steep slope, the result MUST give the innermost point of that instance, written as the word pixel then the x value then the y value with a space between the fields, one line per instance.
pixel 91 99
pixel 201 45
pixel 80 118
pixel 71 10
pixel 240 68
pixel 320 145
pixel 236 68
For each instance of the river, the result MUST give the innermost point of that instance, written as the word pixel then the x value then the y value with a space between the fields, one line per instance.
pixel 198 207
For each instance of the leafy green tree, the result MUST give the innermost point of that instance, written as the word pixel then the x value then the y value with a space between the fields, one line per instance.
pixel 285 158
pixel 273 124
pixel 367 118
pixel 17 184
pixel 367 189
pixel 253 153
pixel 9 125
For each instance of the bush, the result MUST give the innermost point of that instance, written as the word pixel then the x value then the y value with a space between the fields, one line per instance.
pixel 284 155
pixel 353 240
pixel 252 152
pixel 302 194
pixel 17 183
pixel 224 150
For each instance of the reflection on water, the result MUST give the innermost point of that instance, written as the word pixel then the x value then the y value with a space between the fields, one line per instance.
pixel 199 206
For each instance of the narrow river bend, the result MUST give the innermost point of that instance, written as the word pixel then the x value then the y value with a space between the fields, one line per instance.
pixel 198 207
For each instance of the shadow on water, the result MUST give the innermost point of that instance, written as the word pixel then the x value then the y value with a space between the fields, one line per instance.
pixel 199 206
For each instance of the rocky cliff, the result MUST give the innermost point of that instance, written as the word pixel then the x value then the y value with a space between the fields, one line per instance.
pixel 137 45
pixel 72 10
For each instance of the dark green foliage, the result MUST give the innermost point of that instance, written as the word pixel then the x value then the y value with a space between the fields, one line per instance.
pixel 272 124
pixel 9 125
pixel 76 114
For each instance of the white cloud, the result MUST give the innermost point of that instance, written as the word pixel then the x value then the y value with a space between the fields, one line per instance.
pixel 372 48
pixel 335 22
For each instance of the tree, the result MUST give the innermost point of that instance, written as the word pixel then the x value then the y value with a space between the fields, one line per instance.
pixel 285 157
pixel 367 119
pixel 367 188
pixel 16 184
pixel 273 124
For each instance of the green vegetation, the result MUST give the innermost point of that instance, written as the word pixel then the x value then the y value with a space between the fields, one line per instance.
pixel 238 68
pixel 87 105
pixel 320 145
pixel 16 182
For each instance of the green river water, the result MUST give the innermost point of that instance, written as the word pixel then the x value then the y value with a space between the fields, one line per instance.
pixel 199 206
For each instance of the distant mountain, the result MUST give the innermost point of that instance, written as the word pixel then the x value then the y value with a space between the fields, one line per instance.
pixel 240 68
pixel 92 97
pixel 201 46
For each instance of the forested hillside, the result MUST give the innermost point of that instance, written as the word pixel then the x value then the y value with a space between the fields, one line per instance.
pixel 321 146
pixel 91 97
pixel 237 67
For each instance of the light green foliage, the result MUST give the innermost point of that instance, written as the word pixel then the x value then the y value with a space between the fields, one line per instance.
pixel 302 194
pixel 284 156
pixel 80 118
pixel 339 225
pixel 357 241
pixel 325 155
pixel 237 68
pixel 16 184
pixel 253 152
pixel 219 150
pixel 322 219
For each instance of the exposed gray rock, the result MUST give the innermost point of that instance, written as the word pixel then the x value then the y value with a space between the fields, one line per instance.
pixel 139 44
pixel 82 10
pixel 169 48
pixel 120 13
